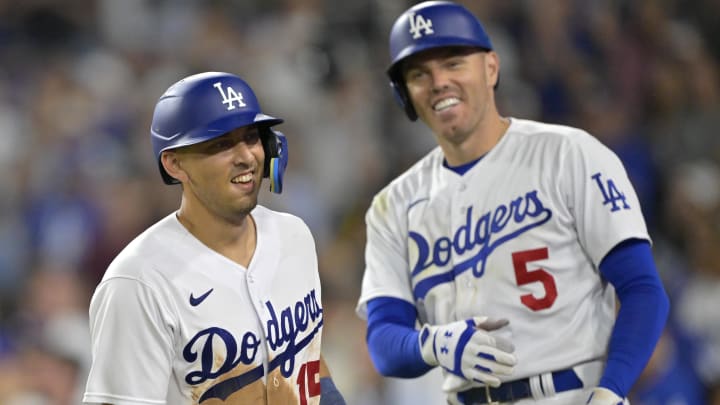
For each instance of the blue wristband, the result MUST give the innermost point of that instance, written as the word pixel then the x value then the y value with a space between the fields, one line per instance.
pixel 329 394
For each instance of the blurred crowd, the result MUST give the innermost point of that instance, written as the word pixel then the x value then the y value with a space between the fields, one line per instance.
pixel 79 80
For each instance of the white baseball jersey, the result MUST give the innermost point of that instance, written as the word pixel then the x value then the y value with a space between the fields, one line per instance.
pixel 174 322
pixel 519 236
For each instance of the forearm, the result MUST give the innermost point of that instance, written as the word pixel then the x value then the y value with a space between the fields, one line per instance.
pixel 636 332
pixel 392 339
pixel 644 307
pixel 395 351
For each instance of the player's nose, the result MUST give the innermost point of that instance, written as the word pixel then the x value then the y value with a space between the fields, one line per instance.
pixel 243 154
pixel 440 79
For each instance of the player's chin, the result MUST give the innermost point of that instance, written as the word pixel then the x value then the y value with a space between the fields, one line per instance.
pixel 247 208
pixel 241 210
pixel 245 196
pixel 441 121
pixel 249 199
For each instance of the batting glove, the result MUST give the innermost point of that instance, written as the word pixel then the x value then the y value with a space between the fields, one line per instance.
pixel 466 349
pixel 603 396
pixel 453 384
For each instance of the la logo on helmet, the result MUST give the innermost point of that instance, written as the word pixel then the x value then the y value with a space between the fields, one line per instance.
pixel 419 23
pixel 230 97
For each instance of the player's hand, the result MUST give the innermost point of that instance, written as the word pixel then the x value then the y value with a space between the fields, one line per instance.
pixel 453 384
pixel 603 396
pixel 466 349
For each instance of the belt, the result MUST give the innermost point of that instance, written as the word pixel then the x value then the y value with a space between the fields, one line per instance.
pixel 564 380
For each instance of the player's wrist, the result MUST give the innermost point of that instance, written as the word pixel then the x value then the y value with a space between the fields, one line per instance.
pixel 426 340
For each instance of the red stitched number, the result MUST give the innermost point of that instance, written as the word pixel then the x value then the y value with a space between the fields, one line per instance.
pixel 310 373
pixel 525 276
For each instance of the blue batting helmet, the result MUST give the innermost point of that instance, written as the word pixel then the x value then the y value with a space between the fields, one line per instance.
pixel 427 25
pixel 208 105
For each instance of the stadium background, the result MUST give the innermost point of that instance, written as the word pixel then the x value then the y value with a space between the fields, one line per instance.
pixel 79 79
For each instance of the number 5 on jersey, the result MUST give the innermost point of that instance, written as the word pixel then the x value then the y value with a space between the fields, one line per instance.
pixel 525 276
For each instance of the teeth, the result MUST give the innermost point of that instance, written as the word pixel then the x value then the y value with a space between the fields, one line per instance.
pixel 445 103
pixel 242 179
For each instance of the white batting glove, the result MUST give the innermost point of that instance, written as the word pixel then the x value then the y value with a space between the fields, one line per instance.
pixel 454 384
pixel 466 349
pixel 603 396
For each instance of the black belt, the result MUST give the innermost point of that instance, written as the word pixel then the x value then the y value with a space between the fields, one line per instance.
pixel 564 380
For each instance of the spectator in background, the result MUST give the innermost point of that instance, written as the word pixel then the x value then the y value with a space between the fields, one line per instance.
pixel 693 216
pixel 670 377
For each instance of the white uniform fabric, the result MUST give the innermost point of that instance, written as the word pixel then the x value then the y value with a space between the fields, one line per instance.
pixel 519 236
pixel 174 322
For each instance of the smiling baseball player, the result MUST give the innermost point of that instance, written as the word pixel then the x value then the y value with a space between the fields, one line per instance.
pixel 498 256
pixel 220 301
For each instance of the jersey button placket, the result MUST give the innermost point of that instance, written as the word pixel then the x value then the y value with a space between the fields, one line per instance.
pixel 463 213
pixel 457 218
pixel 464 282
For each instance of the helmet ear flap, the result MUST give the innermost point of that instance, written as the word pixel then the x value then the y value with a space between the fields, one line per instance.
pixel 403 98
pixel 270 147
pixel 276 157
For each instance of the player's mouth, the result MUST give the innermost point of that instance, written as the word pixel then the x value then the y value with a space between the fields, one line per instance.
pixel 244 178
pixel 445 104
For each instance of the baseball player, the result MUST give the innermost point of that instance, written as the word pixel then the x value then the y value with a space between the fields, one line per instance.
pixel 498 256
pixel 220 301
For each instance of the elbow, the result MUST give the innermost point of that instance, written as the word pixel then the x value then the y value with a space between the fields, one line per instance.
pixel 384 367
pixel 385 370
pixel 657 298
pixel 664 305
pixel 656 295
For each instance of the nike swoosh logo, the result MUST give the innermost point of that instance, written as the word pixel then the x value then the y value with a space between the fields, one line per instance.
pixel 197 301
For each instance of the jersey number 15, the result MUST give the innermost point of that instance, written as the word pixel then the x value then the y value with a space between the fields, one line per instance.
pixel 308 384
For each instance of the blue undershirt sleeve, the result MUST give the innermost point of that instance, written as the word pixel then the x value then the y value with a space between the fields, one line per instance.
pixel 644 308
pixel 329 394
pixel 392 339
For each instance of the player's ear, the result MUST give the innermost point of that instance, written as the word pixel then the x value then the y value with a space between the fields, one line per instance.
pixel 172 165
pixel 492 68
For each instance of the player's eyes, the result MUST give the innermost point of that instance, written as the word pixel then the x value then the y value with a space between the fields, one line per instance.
pixel 414 75
pixel 229 141
pixel 252 137
pixel 454 62
pixel 222 144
